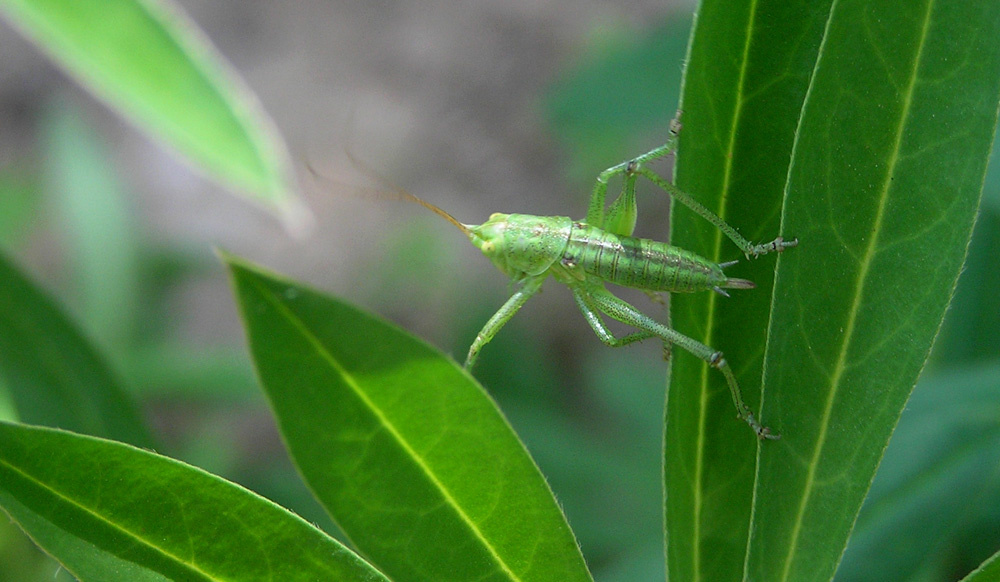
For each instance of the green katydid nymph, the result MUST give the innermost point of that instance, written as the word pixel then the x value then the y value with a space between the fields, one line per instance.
pixel 586 254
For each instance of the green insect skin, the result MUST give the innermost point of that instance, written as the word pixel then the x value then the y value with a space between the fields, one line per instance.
pixel 586 254
pixel 522 245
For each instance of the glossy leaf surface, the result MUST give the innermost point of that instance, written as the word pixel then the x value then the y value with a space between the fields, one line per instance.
pixel 883 190
pixel 748 70
pixel 881 178
pixel 406 452
pixel 110 512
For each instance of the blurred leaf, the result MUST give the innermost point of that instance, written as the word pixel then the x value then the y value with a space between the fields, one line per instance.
pixel 97 226
pixel 55 376
pixel 645 562
pixel 19 196
pixel 748 70
pixel 23 561
pixel 109 511
pixel 882 192
pixel 940 476
pixel 150 62
pixel 407 453
pixel 192 373
pixel 615 98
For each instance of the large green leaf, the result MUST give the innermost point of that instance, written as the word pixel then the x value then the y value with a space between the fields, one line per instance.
pixel 149 62
pixel 54 375
pixel 111 512
pixel 405 451
pixel 939 481
pixel 748 70
pixel 883 189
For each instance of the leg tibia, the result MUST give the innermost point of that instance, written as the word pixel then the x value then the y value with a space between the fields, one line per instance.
pixel 718 361
pixel 748 248
pixel 602 331
pixel 600 298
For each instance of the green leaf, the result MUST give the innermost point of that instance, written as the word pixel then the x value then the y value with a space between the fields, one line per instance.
pixel 939 480
pixel 148 61
pixel 988 572
pixel 883 190
pixel 406 452
pixel 55 376
pixel 748 70
pixel 109 511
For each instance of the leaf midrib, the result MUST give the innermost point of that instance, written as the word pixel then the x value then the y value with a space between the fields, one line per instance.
pixel 859 288
pixel 712 299
pixel 272 298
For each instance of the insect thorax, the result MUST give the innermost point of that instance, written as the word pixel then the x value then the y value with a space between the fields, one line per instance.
pixel 523 244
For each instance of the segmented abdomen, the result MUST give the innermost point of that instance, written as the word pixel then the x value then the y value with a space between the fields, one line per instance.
pixel 638 262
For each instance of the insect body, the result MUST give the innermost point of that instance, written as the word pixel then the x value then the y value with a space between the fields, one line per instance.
pixel 523 245
pixel 586 254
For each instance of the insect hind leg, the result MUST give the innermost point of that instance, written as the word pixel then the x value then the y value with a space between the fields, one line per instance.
pixel 583 301
pixel 618 309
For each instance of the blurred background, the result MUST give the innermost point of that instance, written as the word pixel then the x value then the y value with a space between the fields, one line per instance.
pixel 479 108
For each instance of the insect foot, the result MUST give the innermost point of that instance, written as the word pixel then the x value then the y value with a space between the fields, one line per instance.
pixel 763 432
pixel 776 246
pixel 675 124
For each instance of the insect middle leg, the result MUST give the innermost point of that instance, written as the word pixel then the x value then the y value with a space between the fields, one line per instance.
pixel 592 295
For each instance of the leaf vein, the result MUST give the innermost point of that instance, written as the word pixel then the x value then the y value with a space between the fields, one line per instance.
pixel 321 350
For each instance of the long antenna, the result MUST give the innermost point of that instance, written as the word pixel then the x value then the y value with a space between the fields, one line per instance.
pixel 394 192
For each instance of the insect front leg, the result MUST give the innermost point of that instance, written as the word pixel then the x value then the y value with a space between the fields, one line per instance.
pixel 749 249
pixel 507 311
pixel 620 218
pixel 624 312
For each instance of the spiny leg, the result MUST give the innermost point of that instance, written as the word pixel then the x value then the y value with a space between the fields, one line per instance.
pixel 624 312
pixel 748 248
pixel 602 331
pixel 502 316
